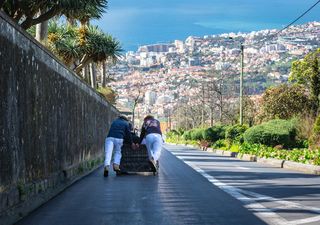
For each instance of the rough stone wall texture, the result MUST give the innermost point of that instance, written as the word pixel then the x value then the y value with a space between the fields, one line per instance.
pixel 52 125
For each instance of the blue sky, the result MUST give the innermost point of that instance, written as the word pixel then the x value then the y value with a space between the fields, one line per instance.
pixel 138 22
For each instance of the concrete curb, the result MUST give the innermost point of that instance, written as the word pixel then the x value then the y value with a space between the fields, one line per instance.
pixel 302 167
pixel 247 157
pixel 270 161
pixel 218 151
pixel 230 154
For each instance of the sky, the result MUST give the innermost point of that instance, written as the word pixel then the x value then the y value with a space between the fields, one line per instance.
pixel 140 22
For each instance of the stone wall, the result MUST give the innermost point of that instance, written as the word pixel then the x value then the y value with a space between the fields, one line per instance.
pixel 52 124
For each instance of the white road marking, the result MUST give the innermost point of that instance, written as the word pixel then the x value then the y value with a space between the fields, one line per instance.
pixel 251 203
pixel 196 157
pixel 242 168
pixel 304 221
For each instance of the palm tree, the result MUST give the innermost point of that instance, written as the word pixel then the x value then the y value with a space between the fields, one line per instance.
pixel 98 47
pixel 26 12
pixel 78 47
pixel 92 10
pixel 62 41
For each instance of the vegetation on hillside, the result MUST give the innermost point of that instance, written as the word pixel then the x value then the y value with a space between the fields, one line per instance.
pixel 286 120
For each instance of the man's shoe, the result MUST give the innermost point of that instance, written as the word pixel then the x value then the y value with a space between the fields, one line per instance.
pixel 153 165
pixel 116 168
pixel 105 171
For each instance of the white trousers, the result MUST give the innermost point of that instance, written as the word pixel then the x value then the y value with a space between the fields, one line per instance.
pixel 154 145
pixel 110 145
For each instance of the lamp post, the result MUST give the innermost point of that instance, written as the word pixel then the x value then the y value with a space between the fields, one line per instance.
pixel 241 83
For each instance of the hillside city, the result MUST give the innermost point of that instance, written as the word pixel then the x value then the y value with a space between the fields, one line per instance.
pixel 167 74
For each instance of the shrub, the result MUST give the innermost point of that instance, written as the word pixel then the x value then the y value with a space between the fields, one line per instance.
pixel 285 101
pixel 220 144
pixel 272 133
pixel 172 133
pixel 196 134
pixel 214 133
pixel 234 148
pixel 234 133
pixel 314 140
pixel 180 131
pixel 187 135
pixel 108 93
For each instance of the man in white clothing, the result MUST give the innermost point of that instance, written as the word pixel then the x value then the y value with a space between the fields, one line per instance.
pixel 119 130
pixel 152 134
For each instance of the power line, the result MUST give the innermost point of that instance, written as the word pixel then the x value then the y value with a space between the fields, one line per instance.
pixel 302 15
pixel 290 24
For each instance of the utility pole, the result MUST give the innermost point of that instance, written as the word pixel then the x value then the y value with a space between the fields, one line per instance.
pixel 241 84
pixel 203 102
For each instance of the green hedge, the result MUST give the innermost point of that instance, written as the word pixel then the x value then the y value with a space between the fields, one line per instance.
pixel 235 133
pixel 211 134
pixel 272 133
pixel 187 135
pixel 196 134
pixel 214 133
pixel 172 134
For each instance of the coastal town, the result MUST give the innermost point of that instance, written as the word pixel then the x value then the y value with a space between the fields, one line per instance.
pixel 158 77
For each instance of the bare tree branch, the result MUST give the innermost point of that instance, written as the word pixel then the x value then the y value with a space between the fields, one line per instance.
pixel 30 21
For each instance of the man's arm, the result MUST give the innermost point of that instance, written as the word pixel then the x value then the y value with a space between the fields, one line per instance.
pixel 128 134
pixel 143 133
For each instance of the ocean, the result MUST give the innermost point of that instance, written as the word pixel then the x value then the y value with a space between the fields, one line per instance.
pixel 140 22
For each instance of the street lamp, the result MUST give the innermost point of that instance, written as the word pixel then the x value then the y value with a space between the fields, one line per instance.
pixel 241 83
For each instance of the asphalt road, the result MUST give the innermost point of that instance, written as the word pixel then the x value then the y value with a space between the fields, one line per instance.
pixel 193 187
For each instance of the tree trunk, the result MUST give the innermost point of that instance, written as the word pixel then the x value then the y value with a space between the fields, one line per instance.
pixel 42 30
pixel 30 21
pixel 87 75
pixel 220 108
pixel 93 82
pixel 133 115
pixel 211 116
pixel 83 73
pixel 103 74
pixel 202 108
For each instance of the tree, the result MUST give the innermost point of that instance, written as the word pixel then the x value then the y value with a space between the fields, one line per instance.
pixel 93 10
pixel 219 93
pixel 284 102
pixel 187 116
pixel 216 94
pixel 97 47
pixel 26 12
pixel 307 73
pixel 79 47
pixel 250 112
pixel 105 76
